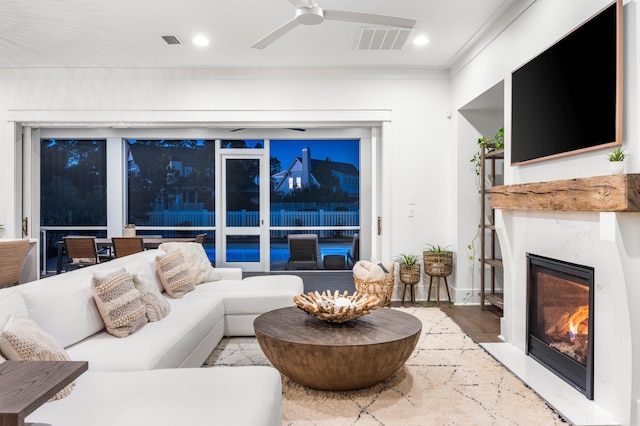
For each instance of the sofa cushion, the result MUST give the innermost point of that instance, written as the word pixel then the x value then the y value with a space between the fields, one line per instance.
pixel 255 295
pixel 22 339
pixel 239 396
pixel 11 301
pixel 156 305
pixel 175 274
pixel 63 306
pixel 197 258
pixel 119 302
pixel 143 262
pixel 162 344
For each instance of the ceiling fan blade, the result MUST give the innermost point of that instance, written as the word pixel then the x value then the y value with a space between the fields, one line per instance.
pixel 275 34
pixel 367 18
pixel 301 3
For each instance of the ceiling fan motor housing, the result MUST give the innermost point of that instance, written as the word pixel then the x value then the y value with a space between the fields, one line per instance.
pixel 309 15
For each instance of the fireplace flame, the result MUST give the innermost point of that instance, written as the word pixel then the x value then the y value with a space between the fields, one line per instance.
pixel 573 329
pixel 571 324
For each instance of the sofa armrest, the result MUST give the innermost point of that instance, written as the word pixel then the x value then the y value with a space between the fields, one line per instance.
pixel 230 273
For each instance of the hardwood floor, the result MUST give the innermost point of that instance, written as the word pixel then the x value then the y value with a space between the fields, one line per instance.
pixel 481 326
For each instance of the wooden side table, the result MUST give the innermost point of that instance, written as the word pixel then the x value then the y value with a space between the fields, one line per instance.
pixel 26 385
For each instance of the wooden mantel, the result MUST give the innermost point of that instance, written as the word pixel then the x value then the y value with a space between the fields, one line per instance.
pixel 608 193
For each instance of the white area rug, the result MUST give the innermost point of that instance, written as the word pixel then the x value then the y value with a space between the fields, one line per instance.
pixel 448 380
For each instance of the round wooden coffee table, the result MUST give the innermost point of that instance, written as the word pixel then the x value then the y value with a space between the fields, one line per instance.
pixel 352 355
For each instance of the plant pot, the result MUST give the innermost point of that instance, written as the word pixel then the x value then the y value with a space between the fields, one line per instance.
pixel 616 167
pixel 410 274
pixel 438 264
pixel 129 232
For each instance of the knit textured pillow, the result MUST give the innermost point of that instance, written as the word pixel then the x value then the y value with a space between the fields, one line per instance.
pixel 119 303
pixel 196 258
pixel 23 340
pixel 156 305
pixel 174 274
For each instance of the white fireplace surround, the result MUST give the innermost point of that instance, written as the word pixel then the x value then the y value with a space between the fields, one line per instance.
pixel 609 242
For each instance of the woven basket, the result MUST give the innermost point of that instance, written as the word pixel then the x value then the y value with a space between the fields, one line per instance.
pixel 410 274
pixel 383 288
pixel 437 264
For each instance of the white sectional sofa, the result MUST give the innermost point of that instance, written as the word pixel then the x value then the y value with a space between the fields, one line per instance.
pixel 136 380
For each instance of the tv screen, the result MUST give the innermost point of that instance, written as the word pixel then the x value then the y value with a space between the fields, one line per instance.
pixel 568 99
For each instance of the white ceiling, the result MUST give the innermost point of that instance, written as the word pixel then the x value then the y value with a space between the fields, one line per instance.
pixel 127 33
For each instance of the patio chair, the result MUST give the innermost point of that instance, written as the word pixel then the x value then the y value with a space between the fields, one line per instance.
pixel 81 251
pixel 354 254
pixel 124 246
pixel 200 238
pixel 303 251
pixel 12 255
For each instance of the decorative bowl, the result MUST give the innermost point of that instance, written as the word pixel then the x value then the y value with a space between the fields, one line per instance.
pixel 336 307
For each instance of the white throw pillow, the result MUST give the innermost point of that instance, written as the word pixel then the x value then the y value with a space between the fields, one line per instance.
pixel 196 258
pixel 156 305
pixel 23 340
pixel 175 274
pixel 119 303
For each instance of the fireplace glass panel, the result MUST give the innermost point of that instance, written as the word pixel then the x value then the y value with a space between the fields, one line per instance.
pixel 563 316
pixel 560 319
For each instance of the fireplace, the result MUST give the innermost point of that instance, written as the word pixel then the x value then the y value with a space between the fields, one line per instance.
pixel 560 319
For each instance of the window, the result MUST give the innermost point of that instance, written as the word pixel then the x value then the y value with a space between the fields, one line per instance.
pixel 315 189
pixel 169 181
pixel 73 182
pixel 243 143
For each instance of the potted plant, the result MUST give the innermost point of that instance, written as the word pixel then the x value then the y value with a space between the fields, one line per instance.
pixel 616 160
pixel 129 230
pixel 495 144
pixel 409 266
pixel 438 261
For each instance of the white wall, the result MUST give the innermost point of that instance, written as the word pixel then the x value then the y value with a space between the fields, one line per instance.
pixel 417 150
pixel 605 242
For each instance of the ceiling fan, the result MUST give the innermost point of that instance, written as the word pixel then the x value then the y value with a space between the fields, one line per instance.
pixel 309 13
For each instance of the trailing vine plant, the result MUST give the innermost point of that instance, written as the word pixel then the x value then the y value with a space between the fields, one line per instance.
pixel 495 144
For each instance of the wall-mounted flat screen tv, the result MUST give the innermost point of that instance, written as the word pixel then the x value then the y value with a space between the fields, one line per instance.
pixel 568 99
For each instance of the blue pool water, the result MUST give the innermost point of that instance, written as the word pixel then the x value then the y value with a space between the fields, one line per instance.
pixel 278 254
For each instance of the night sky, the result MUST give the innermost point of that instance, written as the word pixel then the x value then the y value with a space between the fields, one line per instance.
pixel 344 151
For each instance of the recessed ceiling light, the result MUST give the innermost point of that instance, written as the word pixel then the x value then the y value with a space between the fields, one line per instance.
pixel 420 40
pixel 200 40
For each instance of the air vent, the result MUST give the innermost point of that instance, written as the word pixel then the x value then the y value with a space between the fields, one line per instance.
pixel 383 39
pixel 169 39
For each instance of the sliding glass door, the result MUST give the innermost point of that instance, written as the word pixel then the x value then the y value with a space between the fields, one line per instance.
pixel 243 240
